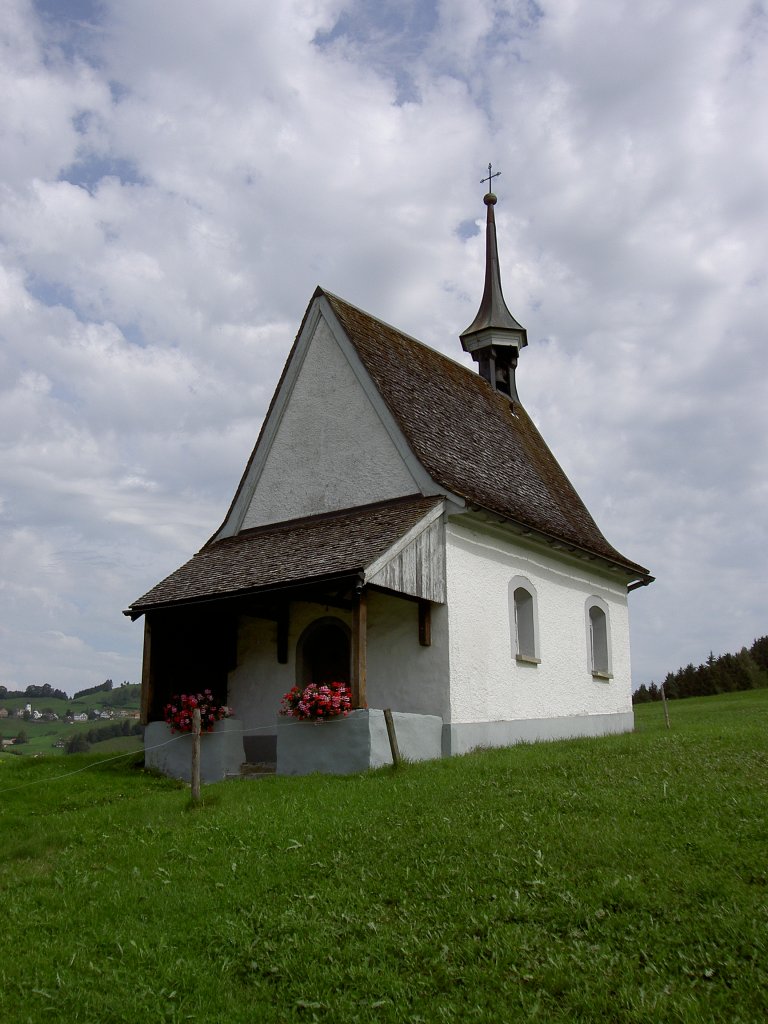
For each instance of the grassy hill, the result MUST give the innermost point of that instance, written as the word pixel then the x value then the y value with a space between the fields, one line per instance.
pixel 620 879
pixel 44 735
pixel 118 745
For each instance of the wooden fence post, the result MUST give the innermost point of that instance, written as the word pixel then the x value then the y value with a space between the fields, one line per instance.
pixel 359 650
pixel 664 702
pixel 393 744
pixel 196 755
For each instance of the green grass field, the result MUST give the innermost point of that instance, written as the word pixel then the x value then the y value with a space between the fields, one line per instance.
pixel 613 880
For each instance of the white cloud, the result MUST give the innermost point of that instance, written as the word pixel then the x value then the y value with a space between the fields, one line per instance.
pixel 173 187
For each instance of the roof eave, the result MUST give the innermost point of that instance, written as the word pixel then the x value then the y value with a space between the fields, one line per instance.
pixel 634 571
pixel 354 575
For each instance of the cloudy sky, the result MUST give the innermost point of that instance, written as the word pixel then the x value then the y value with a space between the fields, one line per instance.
pixel 176 177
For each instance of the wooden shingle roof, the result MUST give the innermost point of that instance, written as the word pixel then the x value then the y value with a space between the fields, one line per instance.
pixel 470 438
pixel 301 551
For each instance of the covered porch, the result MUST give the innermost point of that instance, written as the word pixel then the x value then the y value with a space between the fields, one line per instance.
pixel 368 624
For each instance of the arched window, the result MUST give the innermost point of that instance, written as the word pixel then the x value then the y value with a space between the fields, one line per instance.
pixel 524 620
pixel 323 652
pixel 598 638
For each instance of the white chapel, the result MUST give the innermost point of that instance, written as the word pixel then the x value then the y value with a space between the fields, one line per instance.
pixel 401 526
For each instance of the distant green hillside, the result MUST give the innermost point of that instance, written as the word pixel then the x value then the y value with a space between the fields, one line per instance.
pixel 118 745
pixel 127 696
pixel 43 736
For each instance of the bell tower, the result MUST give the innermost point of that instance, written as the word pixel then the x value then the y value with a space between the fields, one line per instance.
pixel 494 338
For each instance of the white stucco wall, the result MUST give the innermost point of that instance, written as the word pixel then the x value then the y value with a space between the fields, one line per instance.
pixel 402 674
pixel 487 683
pixel 331 449
pixel 258 683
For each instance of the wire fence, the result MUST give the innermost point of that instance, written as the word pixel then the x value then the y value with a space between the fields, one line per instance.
pixel 251 729
pixel 86 767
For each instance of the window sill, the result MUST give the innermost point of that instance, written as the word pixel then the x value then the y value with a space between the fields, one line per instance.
pixel 526 659
pixel 602 675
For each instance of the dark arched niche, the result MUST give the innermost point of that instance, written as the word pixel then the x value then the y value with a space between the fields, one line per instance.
pixel 323 652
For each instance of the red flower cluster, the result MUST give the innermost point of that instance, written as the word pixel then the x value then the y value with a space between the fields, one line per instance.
pixel 178 714
pixel 317 701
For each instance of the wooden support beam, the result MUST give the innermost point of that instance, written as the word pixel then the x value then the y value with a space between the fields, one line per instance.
pixel 282 635
pixel 359 651
pixel 147 675
pixel 425 623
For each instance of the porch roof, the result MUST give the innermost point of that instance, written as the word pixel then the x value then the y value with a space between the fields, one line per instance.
pixel 298 551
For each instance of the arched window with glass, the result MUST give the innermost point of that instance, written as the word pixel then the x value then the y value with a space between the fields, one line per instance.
pixel 524 621
pixel 598 638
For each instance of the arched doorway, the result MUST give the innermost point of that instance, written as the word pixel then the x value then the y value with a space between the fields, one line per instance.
pixel 323 652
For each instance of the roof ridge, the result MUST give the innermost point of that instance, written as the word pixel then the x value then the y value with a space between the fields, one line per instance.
pixel 403 334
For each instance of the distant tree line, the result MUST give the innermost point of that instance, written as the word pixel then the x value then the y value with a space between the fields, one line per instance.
pixel 104 687
pixel 747 670
pixel 128 693
pixel 80 742
pixel 125 693
pixel 43 691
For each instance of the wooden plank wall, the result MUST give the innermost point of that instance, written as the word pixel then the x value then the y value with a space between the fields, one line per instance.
pixel 419 569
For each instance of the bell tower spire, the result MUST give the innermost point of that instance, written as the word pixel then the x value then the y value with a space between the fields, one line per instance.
pixel 494 338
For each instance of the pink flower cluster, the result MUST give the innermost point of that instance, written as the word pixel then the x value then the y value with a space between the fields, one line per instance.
pixel 178 714
pixel 317 701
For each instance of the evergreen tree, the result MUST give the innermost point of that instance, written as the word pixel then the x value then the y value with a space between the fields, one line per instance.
pixel 728 673
pixel 759 651
pixel 641 695
pixel 671 686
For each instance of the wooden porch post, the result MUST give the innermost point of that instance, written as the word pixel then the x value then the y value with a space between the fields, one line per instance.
pixel 282 634
pixel 425 623
pixel 359 650
pixel 147 675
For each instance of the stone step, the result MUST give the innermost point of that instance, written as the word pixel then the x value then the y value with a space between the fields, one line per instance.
pixel 254 770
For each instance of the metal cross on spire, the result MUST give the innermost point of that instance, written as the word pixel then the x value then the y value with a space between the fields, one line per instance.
pixel 490 177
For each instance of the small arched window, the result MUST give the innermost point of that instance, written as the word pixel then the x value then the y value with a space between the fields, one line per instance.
pixel 598 638
pixel 523 620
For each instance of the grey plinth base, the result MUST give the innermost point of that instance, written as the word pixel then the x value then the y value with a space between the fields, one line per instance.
pixel 343 746
pixel 461 737
pixel 221 751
